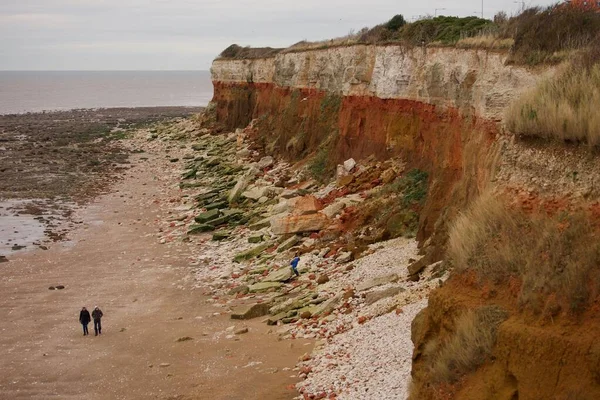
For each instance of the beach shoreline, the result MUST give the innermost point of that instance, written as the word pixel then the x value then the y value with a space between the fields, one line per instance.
pixel 162 335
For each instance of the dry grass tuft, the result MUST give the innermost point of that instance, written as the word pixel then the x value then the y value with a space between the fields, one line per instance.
pixel 555 258
pixel 469 346
pixel 488 41
pixel 563 108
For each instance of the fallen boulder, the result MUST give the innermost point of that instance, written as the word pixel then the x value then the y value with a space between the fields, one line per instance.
pixel 264 287
pixel 288 244
pixel 241 185
pixel 207 216
pixel 306 205
pixel 281 225
pixel 327 306
pixel 250 311
pixel 218 236
pixel 379 281
pixel 349 164
pixel 255 239
pixel 265 162
pixel 374 297
pixel 242 289
pixel 250 253
pixel 281 275
pixel 195 229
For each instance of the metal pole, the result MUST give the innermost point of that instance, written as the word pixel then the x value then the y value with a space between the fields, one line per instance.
pixel 481 9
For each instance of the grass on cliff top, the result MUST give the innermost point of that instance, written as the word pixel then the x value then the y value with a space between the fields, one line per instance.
pixel 563 108
pixel 552 261
pixel 238 52
pixel 535 36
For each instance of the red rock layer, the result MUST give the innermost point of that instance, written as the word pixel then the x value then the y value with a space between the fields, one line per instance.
pixel 453 149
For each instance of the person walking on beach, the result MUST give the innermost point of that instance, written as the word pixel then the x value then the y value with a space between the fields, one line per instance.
pixel 294 264
pixel 84 319
pixel 97 315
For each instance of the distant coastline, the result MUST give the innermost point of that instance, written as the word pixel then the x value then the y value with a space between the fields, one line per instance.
pixel 45 91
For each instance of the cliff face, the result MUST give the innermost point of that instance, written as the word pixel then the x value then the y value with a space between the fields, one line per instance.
pixel 440 110
pixel 474 82
pixel 435 107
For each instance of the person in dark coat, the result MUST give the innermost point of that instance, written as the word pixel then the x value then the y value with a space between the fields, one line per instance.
pixel 84 319
pixel 97 315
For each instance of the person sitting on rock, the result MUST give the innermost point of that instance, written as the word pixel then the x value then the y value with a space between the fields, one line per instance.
pixel 294 264
pixel 84 319
pixel 97 315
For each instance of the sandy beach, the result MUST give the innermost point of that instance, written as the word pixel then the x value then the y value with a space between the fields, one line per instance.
pixel 160 338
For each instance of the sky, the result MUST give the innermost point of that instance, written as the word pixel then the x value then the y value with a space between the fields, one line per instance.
pixel 189 34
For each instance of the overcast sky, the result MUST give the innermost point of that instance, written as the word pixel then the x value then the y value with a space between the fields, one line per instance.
pixel 188 34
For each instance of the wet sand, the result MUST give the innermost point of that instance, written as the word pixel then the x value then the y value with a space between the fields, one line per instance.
pixel 112 259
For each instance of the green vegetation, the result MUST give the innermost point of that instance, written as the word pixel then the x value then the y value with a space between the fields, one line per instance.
pixel 443 30
pixel 318 167
pixel 395 23
pixel 537 35
pixel 395 211
pixel 553 261
pixel 237 52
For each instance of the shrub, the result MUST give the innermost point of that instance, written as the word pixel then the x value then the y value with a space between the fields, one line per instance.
pixel 396 22
pixel 563 108
pixel 539 34
pixel 555 257
pixel 445 30
pixel 319 166
pixel 238 52
pixel 469 346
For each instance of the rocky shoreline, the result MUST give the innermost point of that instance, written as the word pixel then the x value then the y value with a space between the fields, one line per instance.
pixel 53 162
pixel 243 216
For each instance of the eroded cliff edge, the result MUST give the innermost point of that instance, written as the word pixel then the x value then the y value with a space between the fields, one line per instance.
pixel 440 110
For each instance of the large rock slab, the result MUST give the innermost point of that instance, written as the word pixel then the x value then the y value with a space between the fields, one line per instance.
pixel 256 193
pixel 250 311
pixel 288 244
pixel 281 225
pixel 327 306
pixel 349 164
pixel 379 281
pixel 374 297
pixel 415 269
pixel 242 184
pixel 281 275
pixel 258 225
pixel 264 287
pixel 207 216
pixel 265 162
pixel 200 228
pixel 250 253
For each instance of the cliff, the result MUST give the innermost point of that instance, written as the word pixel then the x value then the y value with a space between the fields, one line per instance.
pixel 440 110
pixel 435 107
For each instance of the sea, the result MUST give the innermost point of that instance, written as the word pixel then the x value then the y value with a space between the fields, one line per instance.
pixel 36 91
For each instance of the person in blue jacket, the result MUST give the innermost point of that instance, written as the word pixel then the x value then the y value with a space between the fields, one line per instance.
pixel 294 264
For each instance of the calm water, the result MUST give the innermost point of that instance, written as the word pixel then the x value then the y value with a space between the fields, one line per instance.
pixel 22 91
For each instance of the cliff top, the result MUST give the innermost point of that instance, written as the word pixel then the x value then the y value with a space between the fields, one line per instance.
pixel 536 36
